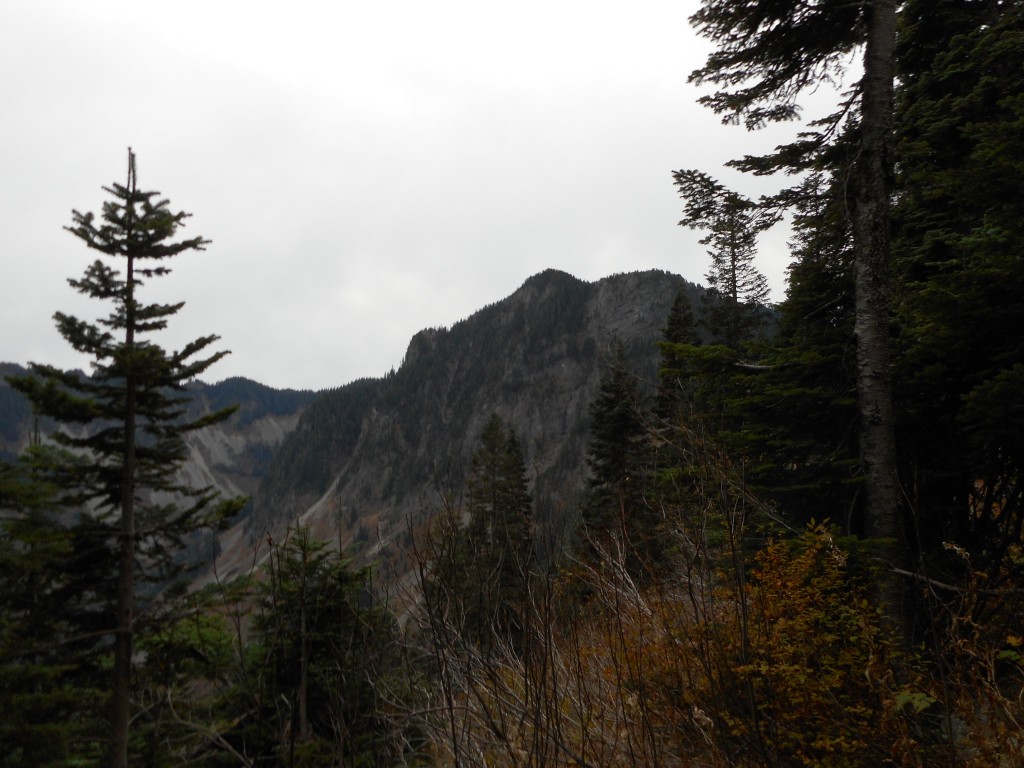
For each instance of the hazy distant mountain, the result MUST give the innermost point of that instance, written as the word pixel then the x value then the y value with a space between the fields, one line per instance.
pixel 371 457
pixel 231 456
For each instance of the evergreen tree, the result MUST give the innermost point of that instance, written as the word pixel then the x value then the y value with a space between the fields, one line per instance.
pixel 873 189
pixel 958 248
pixel 479 572
pixel 738 292
pixel 616 514
pixel 767 54
pixel 790 418
pixel 129 413
pixel 674 374
pixel 320 652
pixel 802 408
pixel 50 691
pixel 499 532
pixel 681 327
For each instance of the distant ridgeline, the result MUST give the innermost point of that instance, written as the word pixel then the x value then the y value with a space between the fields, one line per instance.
pixel 376 456
pixel 231 456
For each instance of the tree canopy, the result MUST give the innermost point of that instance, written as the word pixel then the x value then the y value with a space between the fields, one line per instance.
pixel 127 416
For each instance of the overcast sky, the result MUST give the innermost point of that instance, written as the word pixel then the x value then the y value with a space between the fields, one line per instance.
pixel 364 169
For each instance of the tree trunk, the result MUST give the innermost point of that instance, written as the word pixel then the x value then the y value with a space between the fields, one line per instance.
pixel 303 667
pixel 121 695
pixel 873 178
pixel 125 588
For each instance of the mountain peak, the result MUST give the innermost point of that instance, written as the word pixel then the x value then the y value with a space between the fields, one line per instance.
pixel 533 358
pixel 550 277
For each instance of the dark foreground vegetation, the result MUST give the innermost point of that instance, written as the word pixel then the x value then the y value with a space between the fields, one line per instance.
pixel 804 548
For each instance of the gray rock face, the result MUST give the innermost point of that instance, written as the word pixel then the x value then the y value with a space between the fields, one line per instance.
pixel 371 459
pixel 231 456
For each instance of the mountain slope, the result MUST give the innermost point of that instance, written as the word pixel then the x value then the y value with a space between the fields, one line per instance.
pixel 368 460
pixel 231 456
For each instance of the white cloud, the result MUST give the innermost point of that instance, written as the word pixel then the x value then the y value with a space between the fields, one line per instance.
pixel 364 169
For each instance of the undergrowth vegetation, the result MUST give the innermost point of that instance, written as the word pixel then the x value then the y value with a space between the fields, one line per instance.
pixel 774 654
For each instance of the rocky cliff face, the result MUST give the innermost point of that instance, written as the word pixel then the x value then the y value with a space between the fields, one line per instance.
pixel 231 456
pixel 368 460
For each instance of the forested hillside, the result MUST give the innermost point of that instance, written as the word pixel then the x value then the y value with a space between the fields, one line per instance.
pixel 384 451
pixel 638 524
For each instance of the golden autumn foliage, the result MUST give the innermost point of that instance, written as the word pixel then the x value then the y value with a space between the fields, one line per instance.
pixel 791 664
pixel 745 648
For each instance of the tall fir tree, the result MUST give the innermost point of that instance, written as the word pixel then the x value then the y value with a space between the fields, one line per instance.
pixel 128 414
pixel 675 385
pixel 792 418
pixel 500 529
pixel 804 406
pixel 958 246
pixel 737 291
pixel 766 55
pixel 955 256
pixel 319 654
pixel 616 517
pixel 873 173
pixel 51 689
pixel 480 569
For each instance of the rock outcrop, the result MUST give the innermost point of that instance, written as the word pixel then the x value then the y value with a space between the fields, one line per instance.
pixel 372 459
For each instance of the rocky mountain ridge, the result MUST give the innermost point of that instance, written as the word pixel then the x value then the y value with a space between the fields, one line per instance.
pixel 369 461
